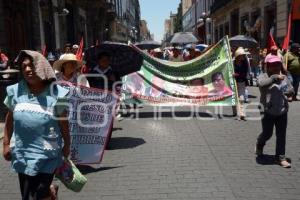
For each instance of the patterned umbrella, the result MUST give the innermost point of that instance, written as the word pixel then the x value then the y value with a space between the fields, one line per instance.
pixel 124 59
pixel 243 41
pixel 184 38
pixel 148 44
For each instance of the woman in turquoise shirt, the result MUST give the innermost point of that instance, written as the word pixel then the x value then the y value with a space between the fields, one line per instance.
pixel 36 135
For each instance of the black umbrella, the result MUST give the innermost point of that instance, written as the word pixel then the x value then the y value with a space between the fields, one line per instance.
pixel 184 38
pixel 124 59
pixel 148 44
pixel 243 41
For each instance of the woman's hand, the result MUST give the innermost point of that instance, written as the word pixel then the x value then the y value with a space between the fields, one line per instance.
pixel 6 152
pixel 8 130
pixel 64 128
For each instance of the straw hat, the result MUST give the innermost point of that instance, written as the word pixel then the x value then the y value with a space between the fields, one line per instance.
pixel 157 50
pixel 240 51
pixel 68 57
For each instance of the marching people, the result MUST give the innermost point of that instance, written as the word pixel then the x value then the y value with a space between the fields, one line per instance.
pixel 274 88
pixel 254 64
pixel 75 48
pixel 106 79
pixel 176 55
pixel 191 53
pixel 157 53
pixel 67 68
pixel 262 56
pixel 166 54
pixel 67 49
pixel 241 70
pixel 36 134
pixel 51 58
pixel 3 60
pixel 292 66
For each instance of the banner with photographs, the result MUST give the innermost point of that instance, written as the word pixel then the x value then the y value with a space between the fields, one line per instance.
pixel 205 81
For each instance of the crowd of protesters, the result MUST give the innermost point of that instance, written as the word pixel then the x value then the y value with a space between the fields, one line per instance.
pixel 276 74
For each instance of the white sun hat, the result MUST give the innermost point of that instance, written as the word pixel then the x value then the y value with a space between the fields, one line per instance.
pixel 240 51
pixel 68 57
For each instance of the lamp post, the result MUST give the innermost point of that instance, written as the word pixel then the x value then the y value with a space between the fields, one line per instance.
pixel 195 4
pixel 204 18
pixel 133 33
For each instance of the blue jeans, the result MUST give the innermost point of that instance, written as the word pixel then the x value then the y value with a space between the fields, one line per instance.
pixel 296 80
pixel 256 71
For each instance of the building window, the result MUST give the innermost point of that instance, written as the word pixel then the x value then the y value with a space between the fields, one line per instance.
pixel 244 23
pixel 270 20
pixel 216 35
pixel 221 28
pixel 234 23
pixel 227 28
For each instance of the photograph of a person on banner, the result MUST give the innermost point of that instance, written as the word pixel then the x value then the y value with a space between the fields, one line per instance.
pixel 135 84
pixel 157 88
pixel 197 88
pixel 220 88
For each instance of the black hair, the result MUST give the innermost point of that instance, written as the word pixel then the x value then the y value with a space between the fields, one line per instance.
pixel 215 75
pixel 103 54
pixel 198 79
pixel 21 59
pixel 68 45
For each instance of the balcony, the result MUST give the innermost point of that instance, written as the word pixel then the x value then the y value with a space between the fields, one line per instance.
pixel 219 4
pixel 88 3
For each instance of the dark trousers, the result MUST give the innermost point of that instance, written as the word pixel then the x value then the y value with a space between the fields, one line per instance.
pixel 35 187
pixel 296 80
pixel 268 122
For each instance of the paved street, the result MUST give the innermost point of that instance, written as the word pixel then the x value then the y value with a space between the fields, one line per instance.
pixel 207 158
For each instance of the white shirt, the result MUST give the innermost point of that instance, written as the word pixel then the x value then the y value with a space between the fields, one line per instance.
pixel 77 78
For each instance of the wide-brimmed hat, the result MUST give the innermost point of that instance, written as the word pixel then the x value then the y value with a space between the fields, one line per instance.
pixel 240 51
pixel 157 50
pixel 68 57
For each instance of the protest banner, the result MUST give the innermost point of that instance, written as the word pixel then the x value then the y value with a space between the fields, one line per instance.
pixel 91 113
pixel 205 81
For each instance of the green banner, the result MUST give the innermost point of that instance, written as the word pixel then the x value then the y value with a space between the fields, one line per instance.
pixel 205 81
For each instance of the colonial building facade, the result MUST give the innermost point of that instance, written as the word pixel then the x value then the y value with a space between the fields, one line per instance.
pixel 197 19
pixel 35 24
pixel 253 17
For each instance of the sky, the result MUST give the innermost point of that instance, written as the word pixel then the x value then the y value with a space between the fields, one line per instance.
pixel 155 12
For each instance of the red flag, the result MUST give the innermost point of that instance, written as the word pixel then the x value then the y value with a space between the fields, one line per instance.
pixel 286 41
pixel 295 10
pixel 271 41
pixel 44 50
pixel 80 50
